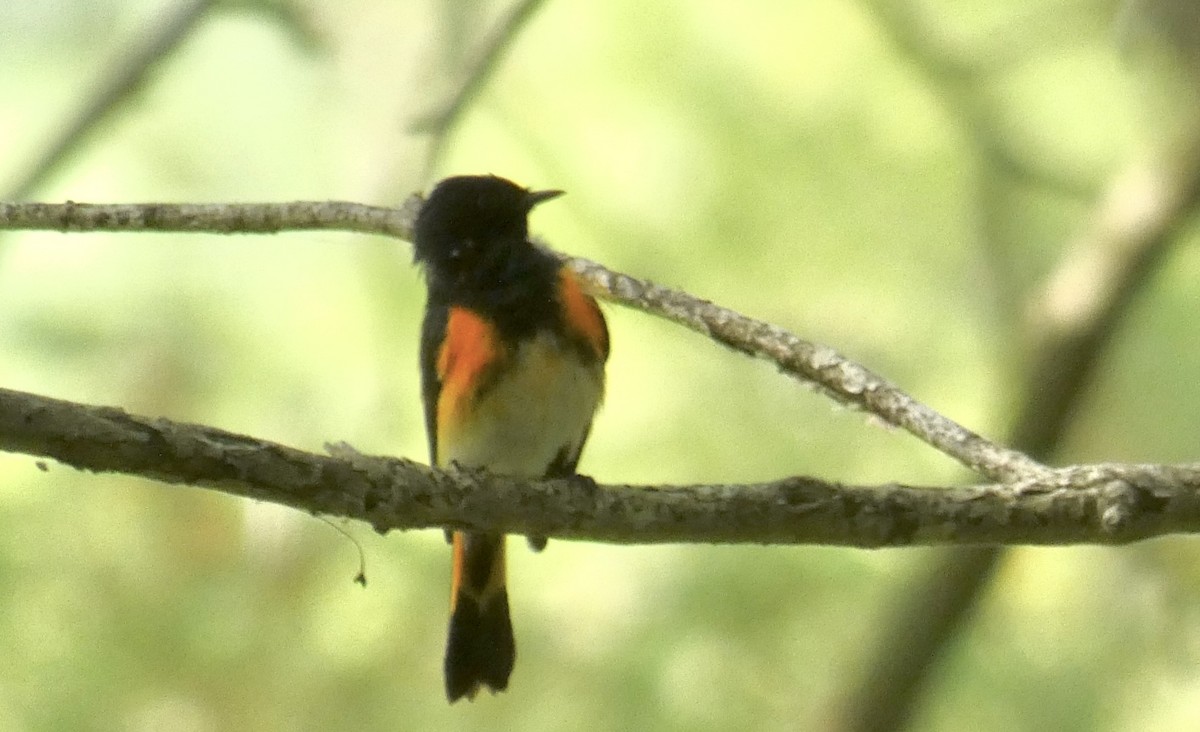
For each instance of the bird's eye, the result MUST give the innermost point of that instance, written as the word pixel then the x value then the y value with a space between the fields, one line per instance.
pixel 459 250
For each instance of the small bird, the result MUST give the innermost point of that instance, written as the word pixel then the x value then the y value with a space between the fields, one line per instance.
pixel 512 372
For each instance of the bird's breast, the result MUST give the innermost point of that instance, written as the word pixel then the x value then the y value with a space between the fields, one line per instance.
pixel 540 399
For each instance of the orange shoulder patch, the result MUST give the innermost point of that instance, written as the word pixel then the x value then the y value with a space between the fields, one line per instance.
pixel 470 350
pixel 582 314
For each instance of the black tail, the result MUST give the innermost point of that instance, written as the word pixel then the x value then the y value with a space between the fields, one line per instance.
pixel 480 650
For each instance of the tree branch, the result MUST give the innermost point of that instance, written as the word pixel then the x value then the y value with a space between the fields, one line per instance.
pixel 838 377
pixel 1073 318
pixel 1107 504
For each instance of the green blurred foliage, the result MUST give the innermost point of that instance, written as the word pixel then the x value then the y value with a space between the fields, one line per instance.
pixel 824 165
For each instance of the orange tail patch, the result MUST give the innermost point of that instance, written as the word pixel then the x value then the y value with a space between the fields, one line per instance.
pixel 480 650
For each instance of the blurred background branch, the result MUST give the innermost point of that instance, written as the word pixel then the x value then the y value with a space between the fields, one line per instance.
pixel 960 77
pixel 439 124
pixel 1071 322
pixel 122 80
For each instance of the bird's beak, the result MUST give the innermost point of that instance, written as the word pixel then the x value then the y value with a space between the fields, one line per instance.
pixel 533 198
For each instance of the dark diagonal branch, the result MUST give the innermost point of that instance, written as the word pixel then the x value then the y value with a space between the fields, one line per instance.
pixel 1074 318
pixel 132 72
pixel 835 375
pixel 1108 504
pixel 1076 315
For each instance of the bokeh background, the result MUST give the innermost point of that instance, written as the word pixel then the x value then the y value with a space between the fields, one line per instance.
pixel 894 178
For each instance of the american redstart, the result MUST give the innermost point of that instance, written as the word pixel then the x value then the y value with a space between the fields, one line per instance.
pixel 512 371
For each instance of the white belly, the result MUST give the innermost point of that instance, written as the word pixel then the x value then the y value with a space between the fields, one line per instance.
pixel 544 402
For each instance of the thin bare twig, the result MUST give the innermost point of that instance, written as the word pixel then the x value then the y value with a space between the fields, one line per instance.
pixel 838 377
pixel 835 375
pixel 212 218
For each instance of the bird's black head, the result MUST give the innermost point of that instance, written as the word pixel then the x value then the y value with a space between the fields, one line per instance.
pixel 473 223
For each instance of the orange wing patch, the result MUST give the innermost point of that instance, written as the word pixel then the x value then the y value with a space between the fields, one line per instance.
pixel 582 313
pixel 469 352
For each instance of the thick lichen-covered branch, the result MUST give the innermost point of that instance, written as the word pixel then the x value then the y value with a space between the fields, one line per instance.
pixel 1107 504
